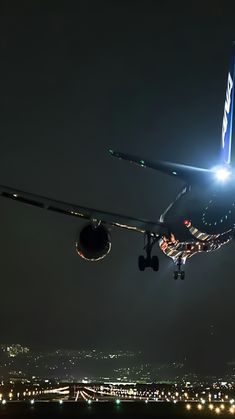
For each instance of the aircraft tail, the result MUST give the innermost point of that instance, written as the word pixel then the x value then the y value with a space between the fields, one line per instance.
pixel 228 113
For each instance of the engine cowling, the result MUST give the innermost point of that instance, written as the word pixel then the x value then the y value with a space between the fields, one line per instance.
pixel 93 242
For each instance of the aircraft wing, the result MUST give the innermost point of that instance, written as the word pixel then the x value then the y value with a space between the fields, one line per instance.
pixel 112 219
pixel 189 174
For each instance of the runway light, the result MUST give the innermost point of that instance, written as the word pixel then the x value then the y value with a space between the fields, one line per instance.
pixel 61 402
pixel 199 406
pixel 4 401
pixel 217 410
pixel 118 401
pixel 188 406
pixel 32 401
pixel 89 401
pixel 222 173
pixel 211 407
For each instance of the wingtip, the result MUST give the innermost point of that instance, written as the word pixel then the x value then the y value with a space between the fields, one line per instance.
pixel 114 153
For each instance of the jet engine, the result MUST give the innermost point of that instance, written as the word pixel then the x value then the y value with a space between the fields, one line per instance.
pixel 93 242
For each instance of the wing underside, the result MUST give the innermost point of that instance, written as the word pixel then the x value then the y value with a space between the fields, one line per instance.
pixel 109 218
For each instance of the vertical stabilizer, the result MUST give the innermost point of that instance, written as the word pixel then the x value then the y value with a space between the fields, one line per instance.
pixel 228 113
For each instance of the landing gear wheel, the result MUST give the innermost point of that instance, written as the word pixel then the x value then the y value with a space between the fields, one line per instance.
pixel 141 263
pixel 179 262
pixel 176 274
pixel 155 263
pixel 149 261
pixel 182 275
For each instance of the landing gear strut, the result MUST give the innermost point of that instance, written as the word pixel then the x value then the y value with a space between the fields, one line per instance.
pixel 178 272
pixel 149 261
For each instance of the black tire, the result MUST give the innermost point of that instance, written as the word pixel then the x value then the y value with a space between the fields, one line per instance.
pixel 155 263
pixel 182 275
pixel 175 274
pixel 141 263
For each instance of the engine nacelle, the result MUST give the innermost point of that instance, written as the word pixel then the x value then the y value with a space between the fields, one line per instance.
pixel 93 242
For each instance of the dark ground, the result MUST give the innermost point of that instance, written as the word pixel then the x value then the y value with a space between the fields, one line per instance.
pixel 98 410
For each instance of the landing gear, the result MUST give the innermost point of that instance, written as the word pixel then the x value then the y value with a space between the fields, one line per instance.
pixel 141 263
pixel 179 273
pixel 152 262
pixel 155 263
pixel 149 261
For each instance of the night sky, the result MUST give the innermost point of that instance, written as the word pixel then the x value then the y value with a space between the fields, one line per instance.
pixel 143 77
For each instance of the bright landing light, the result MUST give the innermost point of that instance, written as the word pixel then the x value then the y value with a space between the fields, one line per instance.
pixel 222 173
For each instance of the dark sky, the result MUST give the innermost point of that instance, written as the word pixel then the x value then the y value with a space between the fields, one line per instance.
pixel 143 77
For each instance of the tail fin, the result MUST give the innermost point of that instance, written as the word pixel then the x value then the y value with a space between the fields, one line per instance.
pixel 228 113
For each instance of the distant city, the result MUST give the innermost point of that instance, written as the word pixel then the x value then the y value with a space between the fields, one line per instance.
pixel 64 377
pixel 20 363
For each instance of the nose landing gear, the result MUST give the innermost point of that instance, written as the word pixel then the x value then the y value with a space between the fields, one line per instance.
pixel 178 272
pixel 149 261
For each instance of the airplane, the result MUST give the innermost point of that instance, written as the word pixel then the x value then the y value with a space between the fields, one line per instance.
pixel 200 219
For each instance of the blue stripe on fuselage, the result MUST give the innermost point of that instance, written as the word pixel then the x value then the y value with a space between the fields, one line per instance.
pixel 228 113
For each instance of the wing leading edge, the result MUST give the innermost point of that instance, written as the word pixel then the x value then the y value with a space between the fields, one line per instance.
pixel 112 219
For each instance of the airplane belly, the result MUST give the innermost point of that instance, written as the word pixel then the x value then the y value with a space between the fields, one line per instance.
pixel 198 221
pixel 207 210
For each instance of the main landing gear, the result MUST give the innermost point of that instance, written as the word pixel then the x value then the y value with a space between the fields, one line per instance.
pixel 149 261
pixel 179 273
